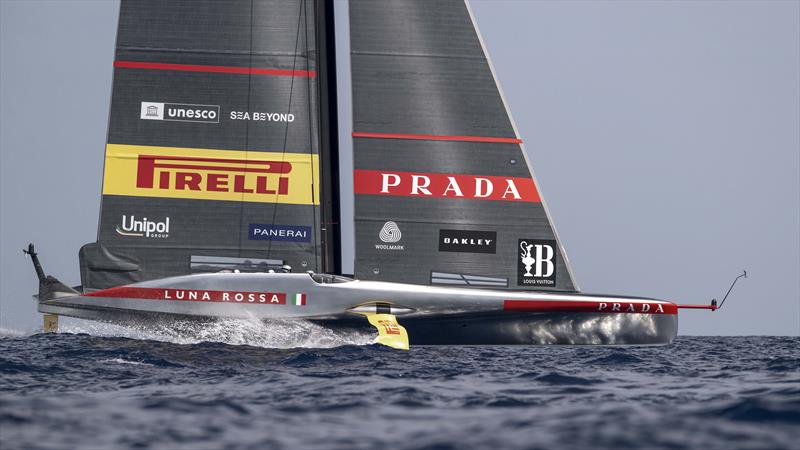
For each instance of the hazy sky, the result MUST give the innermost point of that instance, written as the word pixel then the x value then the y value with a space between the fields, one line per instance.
pixel 665 137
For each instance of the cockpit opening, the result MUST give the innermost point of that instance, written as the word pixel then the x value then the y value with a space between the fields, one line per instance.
pixel 325 278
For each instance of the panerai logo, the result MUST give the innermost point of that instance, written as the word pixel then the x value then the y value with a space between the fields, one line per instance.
pixel 467 241
pixel 143 227
pixel 272 232
pixel 390 234
pixel 536 263
pixel 179 112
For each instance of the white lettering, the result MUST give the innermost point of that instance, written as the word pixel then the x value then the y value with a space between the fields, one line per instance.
pixel 453 186
pixel 483 187
pixel 512 188
pixel 417 187
pixel 544 257
pixel 385 184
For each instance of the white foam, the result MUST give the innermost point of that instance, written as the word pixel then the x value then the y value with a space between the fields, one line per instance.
pixel 125 361
pixel 257 333
pixel 9 332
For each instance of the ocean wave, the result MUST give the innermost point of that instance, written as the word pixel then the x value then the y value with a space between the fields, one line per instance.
pixel 123 388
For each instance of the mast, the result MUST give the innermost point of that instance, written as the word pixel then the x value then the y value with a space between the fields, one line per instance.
pixel 328 138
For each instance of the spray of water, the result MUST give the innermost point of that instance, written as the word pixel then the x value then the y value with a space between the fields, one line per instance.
pixel 12 333
pixel 269 334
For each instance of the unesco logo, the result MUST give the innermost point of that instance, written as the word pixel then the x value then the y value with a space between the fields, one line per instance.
pixel 179 112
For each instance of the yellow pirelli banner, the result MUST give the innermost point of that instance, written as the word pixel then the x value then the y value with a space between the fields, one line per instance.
pixel 232 175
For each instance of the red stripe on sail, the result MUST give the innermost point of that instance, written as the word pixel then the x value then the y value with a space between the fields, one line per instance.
pixel 444 185
pixel 192 295
pixel 214 69
pixel 620 307
pixel 437 137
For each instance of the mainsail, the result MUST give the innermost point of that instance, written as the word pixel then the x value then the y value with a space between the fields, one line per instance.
pixel 214 142
pixel 445 193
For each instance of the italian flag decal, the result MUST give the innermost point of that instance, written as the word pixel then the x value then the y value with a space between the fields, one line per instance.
pixel 299 299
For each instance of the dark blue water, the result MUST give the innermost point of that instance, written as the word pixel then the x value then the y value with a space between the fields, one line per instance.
pixel 89 391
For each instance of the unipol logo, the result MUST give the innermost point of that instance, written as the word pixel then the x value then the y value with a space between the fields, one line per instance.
pixel 536 264
pixel 390 234
pixel 179 112
pixel 143 227
pixel 442 185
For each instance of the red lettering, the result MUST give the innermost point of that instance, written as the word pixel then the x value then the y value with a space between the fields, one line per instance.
pixel 163 180
pixel 217 182
pixel 238 185
pixel 188 179
pixel 261 186
pixel 147 166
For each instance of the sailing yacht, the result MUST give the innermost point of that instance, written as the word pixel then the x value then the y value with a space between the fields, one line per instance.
pixel 221 187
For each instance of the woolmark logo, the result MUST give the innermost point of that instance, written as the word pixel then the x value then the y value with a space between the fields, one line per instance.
pixel 179 112
pixel 536 263
pixel 287 233
pixel 390 234
pixel 143 227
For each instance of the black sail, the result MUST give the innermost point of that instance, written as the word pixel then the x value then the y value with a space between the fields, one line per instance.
pixel 212 158
pixel 444 192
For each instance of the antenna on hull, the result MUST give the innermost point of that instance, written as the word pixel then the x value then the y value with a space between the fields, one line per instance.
pixel 714 301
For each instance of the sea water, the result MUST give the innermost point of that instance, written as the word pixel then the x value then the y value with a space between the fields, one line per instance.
pixel 293 385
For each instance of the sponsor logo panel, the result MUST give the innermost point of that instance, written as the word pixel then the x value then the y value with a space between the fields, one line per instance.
pixel 467 241
pixel 171 172
pixel 202 295
pixel 257 116
pixel 288 233
pixel 192 112
pixel 442 185
pixel 606 306
pixel 179 112
pixel 390 235
pixel 536 263
pixel 133 226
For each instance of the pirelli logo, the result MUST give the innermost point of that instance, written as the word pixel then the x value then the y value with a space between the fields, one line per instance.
pixel 170 172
